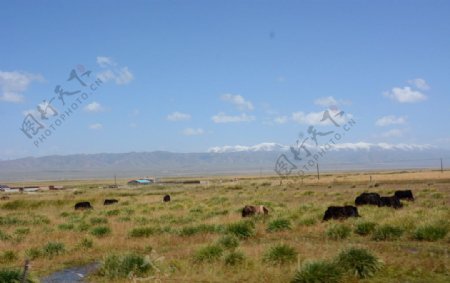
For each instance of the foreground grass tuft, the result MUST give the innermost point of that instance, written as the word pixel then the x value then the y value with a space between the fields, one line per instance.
pixel 280 254
pixel 123 266
pixel 387 232
pixel 279 225
pixel 208 253
pixel 365 228
pixel 318 272
pixel 234 258
pixel 430 232
pixel 338 232
pixel 359 262
pixel 243 229
pixel 12 276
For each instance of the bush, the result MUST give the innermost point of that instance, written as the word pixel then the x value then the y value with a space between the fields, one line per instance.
pixel 357 261
pixel 12 276
pixel 229 241
pixel 318 272
pixel 338 231
pixel 364 228
pixel 387 232
pixel 430 232
pixel 280 254
pixel 279 225
pixel 208 253
pixel 52 249
pixel 243 229
pixel 122 266
pixel 100 231
pixel 234 258
pixel 143 232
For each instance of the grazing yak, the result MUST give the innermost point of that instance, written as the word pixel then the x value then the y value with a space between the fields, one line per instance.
pixel 340 212
pixel 166 198
pixel 250 210
pixel 4 198
pixel 406 194
pixel 391 202
pixel 110 201
pixel 83 205
pixel 368 198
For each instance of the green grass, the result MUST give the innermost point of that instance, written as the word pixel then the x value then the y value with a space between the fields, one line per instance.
pixel 431 232
pixel 280 254
pixel 279 225
pixel 230 242
pixel 338 231
pixel 100 231
pixel 318 272
pixel 387 233
pixel 234 258
pixel 242 229
pixel 122 266
pixel 208 253
pixel 52 249
pixel 365 228
pixel 359 262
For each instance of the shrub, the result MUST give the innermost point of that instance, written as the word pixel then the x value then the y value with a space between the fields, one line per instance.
pixel 83 226
pixel 234 258
pixel 430 232
pixel 387 232
pixel 98 220
pixel 12 275
pixel 243 229
pixel 100 231
pixel 279 225
pixel 143 232
pixel 121 266
pixel 4 236
pixel 208 253
pixel 52 249
pixel 338 231
pixel 318 272
pixel 229 241
pixel 280 254
pixel 357 261
pixel 364 228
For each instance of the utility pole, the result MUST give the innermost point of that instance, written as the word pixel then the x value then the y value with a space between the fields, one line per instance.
pixel 318 174
pixel 442 167
pixel 115 181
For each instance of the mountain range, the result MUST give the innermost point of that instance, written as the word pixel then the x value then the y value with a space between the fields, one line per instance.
pixel 226 160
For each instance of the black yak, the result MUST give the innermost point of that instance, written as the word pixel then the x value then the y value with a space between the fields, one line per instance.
pixel 340 212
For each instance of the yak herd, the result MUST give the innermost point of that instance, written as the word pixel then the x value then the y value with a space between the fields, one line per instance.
pixel 332 212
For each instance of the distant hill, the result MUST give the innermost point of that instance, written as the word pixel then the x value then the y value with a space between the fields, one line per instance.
pixel 219 160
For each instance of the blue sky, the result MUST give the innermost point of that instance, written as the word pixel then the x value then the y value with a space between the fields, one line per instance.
pixel 185 76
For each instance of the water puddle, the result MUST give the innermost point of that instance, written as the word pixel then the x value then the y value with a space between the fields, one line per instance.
pixel 73 274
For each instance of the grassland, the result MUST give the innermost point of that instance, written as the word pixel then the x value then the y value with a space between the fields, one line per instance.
pixel 200 236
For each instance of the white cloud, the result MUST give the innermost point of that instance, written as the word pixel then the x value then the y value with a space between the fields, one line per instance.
pixel 13 84
pixel 96 126
pixel 94 107
pixel 238 101
pixel 326 101
pixel 193 132
pixel 405 95
pixel 178 116
pixel 394 133
pixel 223 118
pixel 390 120
pixel 113 73
pixel 105 62
pixel 270 146
pixel 281 119
pixel 315 118
pixel 419 83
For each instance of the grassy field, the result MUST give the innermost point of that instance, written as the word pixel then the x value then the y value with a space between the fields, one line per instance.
pixel 200 236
